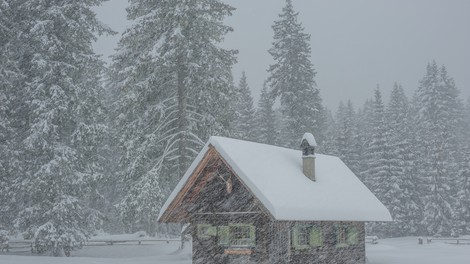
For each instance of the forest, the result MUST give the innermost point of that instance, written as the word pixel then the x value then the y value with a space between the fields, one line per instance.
pixel 86 147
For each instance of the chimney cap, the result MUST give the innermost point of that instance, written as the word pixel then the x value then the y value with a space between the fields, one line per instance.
pixel 310 139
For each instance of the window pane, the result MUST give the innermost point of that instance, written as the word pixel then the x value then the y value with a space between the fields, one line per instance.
pixel 242 235
pixel 341 239
pixel 303 236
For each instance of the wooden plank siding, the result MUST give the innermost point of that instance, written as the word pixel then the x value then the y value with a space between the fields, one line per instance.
pixel 217 207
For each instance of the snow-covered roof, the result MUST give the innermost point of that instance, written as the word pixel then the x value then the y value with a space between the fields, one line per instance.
pixel 310 139
pixel 274 175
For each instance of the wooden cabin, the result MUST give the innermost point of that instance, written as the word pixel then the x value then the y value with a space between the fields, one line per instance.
pixel 255 203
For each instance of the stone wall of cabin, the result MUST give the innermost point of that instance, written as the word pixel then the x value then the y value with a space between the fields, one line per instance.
pixel 282 251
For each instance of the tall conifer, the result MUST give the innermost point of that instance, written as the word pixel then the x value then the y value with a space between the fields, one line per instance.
pixel 244 123
pixel 291 78
pixel 173 84
pixel 266 119
pixel 437 119
pixel 63 120
pixel 404 203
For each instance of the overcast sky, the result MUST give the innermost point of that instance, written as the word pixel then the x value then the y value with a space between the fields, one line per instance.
pixel 355 44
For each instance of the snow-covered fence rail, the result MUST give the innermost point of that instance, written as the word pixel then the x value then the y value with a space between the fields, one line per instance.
pixel 102 242
pixel 455 241
pixel 17 246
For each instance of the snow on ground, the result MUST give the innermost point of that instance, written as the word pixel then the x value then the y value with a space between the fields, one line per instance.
pixel 388 251
pixel 406 250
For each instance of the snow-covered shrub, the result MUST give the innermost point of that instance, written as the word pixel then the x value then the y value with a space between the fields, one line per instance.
pixel 3 237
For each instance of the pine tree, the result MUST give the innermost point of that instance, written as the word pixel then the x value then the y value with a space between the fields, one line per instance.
pixel 404 203
pixel 8 75
pixel 62 120
pixel 347 143
pixel 173 84
pixel 378 176
pixel 437 119
pixel 378 149
pixel 462 213
pixel 244 124
pixel 329 142
pixel 463 183
pixel 266 119
pixel 341 130
pixel 291 78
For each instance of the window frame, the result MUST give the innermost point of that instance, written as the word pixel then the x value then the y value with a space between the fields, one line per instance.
pixel 341 236
pixel 346 235
pixel 226 237
pixel 306 236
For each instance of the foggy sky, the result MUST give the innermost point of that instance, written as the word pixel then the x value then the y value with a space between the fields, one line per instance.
pixel 355 44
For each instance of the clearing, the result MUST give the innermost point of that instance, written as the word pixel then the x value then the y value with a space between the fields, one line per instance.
pixel 403 250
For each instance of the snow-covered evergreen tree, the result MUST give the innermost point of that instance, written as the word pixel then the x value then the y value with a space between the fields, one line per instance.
pixel 462 213
pixel 173 84
pixel 329 142
pixel 9 76
pixel 378 176
pixel 63 120
pixel 346 136
pixel 267 125
pixel 291 78
pixel 437 118
pixel 378 149
pixel 463 183
pixel 244 123
pixel 403 198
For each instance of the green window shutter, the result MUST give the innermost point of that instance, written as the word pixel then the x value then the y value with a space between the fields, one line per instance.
pixel 295 237
pixel 316 237
pixel 252 235
pixel 224 235
pixel 352 235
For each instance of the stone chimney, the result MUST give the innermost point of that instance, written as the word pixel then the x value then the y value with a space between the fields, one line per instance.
pixel 308 145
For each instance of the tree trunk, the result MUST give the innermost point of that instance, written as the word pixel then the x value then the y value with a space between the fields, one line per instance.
pixel 182 117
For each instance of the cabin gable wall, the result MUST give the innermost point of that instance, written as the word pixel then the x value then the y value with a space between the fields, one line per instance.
pixel 216 204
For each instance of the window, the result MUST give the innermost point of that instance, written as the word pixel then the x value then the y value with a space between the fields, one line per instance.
pixel 346 235
pixel 237 235
pixel 303 235
pixel 306 236
pixel 341 236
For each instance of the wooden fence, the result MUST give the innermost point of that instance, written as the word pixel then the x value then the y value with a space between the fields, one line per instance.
pixel 451 240
pixel 23 246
